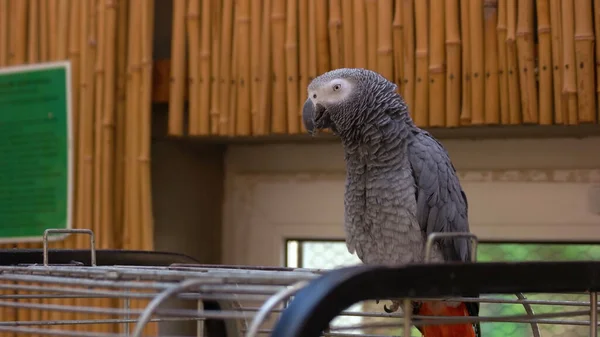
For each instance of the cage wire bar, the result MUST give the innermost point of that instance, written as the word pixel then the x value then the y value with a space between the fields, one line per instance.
pixel 121 293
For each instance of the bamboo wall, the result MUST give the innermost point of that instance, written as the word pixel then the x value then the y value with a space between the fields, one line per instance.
pixel 457 63
pixel 109 43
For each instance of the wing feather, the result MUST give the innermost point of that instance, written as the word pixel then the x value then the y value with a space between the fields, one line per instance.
pixel 441 202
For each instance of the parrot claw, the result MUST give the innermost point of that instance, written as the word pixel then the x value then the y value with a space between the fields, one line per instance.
pixel 392 308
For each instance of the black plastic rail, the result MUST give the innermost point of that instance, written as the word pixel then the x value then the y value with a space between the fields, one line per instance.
pixel 316 305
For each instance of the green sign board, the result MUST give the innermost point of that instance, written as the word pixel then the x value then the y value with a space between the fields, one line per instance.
pixel 36 151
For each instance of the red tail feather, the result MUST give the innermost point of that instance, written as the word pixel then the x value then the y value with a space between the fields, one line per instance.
pixel 451 330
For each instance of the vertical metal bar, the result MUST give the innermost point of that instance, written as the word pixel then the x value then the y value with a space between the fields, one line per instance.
pixel 127 306
pixel 593 314
pixel 407 318
pixel 200 321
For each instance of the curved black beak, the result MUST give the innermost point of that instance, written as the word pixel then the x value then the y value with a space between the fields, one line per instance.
pixel 312 114
pixel 308 112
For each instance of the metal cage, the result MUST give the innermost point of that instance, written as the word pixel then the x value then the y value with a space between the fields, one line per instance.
pixel 133 293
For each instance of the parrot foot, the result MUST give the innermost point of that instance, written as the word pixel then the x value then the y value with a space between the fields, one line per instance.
pixel 393 307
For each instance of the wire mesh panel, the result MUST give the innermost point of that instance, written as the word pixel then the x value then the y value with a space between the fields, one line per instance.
pixel 130 300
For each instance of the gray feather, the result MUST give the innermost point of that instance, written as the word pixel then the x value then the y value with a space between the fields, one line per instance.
pixel 441 202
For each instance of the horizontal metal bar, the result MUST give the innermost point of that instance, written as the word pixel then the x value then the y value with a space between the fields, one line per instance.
pixel 213 314
pixel 94 321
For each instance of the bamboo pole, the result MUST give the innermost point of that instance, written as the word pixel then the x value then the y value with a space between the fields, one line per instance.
pixel 453 58
pixel 145 129
pixel 73 54
pixel 225 66
pixel 421 108
pixel 335 29
pixel 193 41
pixel 178 57
pixel 255 61
pixel 503 63
pixel 99 72
pixel 205 54
pixel 321 14
pixel 120 122
pixel 569 74
pixel 597 33
pixel 44 31
pixel 33 35
pixel 372 33
pixel 215 77
pixel 360 39
pixel 265 73
pixel 303 27
pixel 99 134
pixel 492 100
pixel 18 32
pixel 545 83
pixel 18 56
pixel 514 93
pixel 4 51
pixel 132 231
pixel 312 38
pixel 385 57
pixel 33 56
pixel 52 14
pixel 525 50
pixel 278 118
pixel 398 45
pixel 584 57
pixel 4 34
pixel 291 64
pixel 437 64
pixel 465 113
pixel 108 125
pixel 52 56
pixel 62 29
pixel 476 28
pixel 85 129
pixel 243 118
pixel 230 118
pixel 408 22
pixel 347 30
pixel 132 238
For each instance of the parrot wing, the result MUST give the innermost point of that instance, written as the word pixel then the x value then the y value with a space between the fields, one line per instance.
pixel 441 203
pixel 441 207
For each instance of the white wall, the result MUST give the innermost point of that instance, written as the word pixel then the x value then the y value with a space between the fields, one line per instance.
pixel 517 189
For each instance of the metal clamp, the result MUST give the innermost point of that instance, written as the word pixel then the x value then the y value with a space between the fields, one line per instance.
pixel 431 238
pixel 71 231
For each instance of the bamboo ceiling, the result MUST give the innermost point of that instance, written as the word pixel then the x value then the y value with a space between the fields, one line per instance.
pixel 457 63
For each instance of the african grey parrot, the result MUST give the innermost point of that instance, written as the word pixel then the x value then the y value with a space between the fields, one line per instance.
pixel 400 183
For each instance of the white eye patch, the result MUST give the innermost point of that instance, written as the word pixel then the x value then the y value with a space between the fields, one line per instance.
pixel 332 92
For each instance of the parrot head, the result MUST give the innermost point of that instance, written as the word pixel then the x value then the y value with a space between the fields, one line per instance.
pixel 343 99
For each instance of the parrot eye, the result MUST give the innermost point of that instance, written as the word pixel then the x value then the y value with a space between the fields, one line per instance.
pixel 314 95
pixel 337 87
